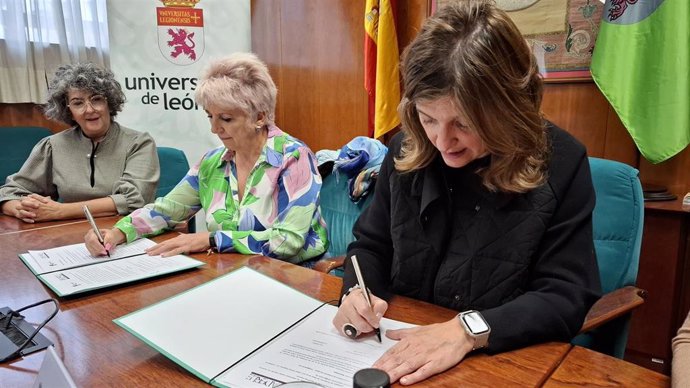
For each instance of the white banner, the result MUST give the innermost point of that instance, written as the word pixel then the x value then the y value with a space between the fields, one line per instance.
pixel 158 49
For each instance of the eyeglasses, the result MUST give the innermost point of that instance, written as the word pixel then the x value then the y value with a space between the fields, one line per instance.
pixel 96 101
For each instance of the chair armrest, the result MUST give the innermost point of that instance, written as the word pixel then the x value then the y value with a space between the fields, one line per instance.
pixel 329 264
pixel 613 305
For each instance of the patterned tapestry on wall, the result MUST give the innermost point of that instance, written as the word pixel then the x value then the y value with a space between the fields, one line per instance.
pixel 561 32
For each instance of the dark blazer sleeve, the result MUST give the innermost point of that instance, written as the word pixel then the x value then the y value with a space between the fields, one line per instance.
pixel 564 277
pixel 373 245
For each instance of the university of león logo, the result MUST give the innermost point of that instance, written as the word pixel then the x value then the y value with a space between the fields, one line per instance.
pixel 180 31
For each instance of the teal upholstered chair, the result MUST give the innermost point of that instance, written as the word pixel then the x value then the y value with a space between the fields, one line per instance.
pixel 174 167
pixel 617 225
pixel 16 146
pixel 340 214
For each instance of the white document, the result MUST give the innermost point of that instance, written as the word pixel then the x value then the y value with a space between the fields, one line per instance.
pixel 71 269
pixel 211 329
pixel 70 256
pixel 312 351
pixel 92 277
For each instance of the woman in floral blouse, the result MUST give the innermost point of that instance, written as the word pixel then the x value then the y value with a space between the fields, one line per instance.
pixel 260 190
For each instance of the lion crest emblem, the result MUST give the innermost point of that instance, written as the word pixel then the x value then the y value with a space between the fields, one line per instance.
pixel 182 42
pixel 180 31
pixel 629 11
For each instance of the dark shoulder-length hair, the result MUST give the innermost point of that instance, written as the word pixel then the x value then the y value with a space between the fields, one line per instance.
pixel 81 76
pixel 471 51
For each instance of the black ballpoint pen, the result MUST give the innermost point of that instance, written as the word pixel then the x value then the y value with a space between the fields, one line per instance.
pixel 365 290
pixel 89 217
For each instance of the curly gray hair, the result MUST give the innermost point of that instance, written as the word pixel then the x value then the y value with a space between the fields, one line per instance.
pixel 82 76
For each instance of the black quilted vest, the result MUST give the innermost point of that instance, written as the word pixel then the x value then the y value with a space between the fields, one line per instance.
pixel 484 259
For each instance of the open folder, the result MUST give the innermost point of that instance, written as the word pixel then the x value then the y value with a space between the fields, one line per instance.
pixel 71 269
pixel 246 329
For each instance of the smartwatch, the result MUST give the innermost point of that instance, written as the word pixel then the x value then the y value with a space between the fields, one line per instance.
pixel 476 327
pixel 212 241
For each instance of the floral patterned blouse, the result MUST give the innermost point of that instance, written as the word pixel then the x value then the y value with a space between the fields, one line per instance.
pixel 278 216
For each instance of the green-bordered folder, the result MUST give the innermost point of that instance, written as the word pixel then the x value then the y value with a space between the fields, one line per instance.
pixel 246 329
pixel 71 269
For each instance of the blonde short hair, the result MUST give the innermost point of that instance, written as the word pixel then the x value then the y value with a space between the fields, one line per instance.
pixel 239 81
pixel 471 51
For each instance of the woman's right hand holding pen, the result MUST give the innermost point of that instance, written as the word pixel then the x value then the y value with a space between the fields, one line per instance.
pixel 355 311
pixel 111 238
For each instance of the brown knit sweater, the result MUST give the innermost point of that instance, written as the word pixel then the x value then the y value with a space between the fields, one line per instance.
pixel 681 356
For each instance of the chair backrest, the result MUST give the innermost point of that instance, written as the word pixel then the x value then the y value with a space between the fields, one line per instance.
pixel 617 225
pixel 617 222
pixel 174 167
pixel 339 212
pixel 15 147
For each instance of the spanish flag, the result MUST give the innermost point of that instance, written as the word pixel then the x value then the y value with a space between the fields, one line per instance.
pixel 381 74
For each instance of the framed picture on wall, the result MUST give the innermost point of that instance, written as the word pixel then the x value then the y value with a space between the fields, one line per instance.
pixel 561 33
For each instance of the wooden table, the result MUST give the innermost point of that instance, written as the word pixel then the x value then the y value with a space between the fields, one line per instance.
pixel 97 352
pixel 586 368
pixel 11 225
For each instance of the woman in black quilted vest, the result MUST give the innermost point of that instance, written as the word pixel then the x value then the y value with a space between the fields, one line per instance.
pixel 482 206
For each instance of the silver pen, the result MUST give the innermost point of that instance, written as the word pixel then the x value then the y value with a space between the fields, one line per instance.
pixel 89 217
pixel 365 290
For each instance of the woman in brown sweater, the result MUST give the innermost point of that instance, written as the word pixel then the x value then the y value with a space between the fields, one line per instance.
pixel 681 356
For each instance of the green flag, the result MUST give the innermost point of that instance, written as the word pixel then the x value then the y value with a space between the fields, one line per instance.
pixel 641 63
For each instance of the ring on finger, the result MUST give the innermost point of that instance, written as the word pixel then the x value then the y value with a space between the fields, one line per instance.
pixel 349 330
